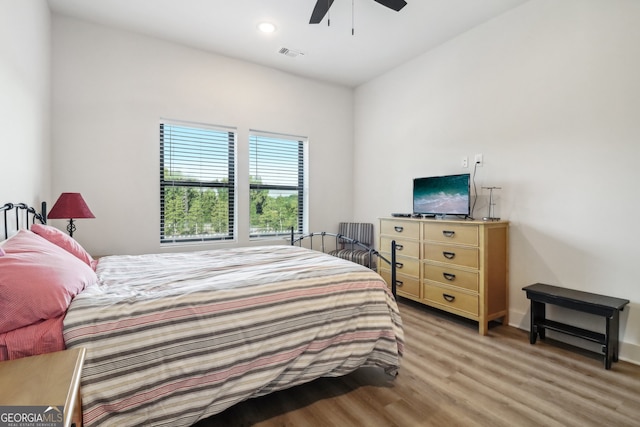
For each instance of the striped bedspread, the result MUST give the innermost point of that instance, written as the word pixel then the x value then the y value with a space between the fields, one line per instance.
pixel 173 338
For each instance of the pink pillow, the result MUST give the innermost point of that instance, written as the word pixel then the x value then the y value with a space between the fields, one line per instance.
pixel 38 280
pixel 65 241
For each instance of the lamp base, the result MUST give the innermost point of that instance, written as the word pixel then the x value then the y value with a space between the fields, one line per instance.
pixel 71 227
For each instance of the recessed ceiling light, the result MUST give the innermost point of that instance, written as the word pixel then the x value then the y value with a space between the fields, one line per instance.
pixel 267 27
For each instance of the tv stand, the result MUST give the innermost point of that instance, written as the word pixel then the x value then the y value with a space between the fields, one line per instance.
pixel 458 266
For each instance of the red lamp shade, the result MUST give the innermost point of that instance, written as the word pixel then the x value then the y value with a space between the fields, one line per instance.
pixel 70 206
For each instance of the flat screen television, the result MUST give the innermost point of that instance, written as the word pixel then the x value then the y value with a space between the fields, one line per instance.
pixel 442 195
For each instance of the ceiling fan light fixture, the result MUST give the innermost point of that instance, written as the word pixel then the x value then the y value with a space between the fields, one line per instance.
pixel 267 27
pixel 321 9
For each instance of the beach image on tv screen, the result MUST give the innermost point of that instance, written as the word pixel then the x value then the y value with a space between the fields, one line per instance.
pixel 441 195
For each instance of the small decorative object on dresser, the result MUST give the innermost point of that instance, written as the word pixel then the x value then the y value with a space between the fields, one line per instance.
pixel 457 266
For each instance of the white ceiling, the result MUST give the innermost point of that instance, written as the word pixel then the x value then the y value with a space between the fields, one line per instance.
pixel 383 38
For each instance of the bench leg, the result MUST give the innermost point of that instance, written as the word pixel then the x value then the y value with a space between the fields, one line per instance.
pixel 608 350
pixel 538 313
pixel 533 334
pixel 611 339
pixel 615 331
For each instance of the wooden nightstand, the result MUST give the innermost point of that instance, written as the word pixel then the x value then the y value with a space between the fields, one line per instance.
pixel 51 379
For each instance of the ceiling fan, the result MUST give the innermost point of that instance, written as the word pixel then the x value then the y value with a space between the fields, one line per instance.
pixel 322 7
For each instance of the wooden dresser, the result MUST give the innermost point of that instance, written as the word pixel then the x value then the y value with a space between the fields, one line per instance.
pixel 457 266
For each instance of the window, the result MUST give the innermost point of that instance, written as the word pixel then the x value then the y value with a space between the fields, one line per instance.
pixel 276 184
pixel 197 182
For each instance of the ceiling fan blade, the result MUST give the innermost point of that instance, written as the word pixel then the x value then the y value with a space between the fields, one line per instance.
pixel 321 9
pixel 396 5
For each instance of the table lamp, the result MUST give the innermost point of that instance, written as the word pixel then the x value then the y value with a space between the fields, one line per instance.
pixel 70 206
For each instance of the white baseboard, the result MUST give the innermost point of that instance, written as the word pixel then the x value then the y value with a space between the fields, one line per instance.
pixel 628 352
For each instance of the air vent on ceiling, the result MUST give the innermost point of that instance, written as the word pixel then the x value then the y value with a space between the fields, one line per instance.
pixel 290 52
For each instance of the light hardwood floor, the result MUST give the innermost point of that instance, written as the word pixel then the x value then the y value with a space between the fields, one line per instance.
pixel 452 376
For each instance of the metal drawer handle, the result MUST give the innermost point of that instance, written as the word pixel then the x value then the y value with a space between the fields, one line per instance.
pixel 398 229
pixel 449 276
pixel 399 283
pixel 448 233
pixel 449 255
pixel 448 297
pixel 399 247
pixel 399 265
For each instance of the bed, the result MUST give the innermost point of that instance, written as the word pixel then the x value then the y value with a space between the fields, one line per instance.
pixel 176 337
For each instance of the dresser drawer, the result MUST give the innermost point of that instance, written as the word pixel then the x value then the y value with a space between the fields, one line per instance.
pixel 404 265
pixel 461 234
pixel 451 299
pixel 400 229
pixel 451 276
pixel 410 248
pixel 456 255
pixel 407 266
pixel 405 285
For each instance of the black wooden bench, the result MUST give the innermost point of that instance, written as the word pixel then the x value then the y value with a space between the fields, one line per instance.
pixel 600 305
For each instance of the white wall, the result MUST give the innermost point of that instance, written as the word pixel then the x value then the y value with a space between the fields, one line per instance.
pixel 549 93
pixel 111 87
pixel 25 54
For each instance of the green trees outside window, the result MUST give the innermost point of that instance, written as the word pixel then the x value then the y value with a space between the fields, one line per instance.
pixel 192 211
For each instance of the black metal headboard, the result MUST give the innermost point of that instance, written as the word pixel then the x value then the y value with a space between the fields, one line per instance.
pixel 22 213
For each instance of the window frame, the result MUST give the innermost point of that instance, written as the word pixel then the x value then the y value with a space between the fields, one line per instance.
pixel 230 185
pixel 301 185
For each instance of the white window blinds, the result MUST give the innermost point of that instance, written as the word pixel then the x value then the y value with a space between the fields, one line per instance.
pixel 277 184
pixel 197 182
